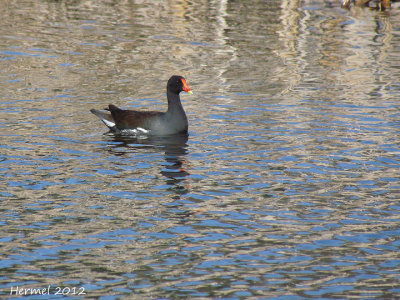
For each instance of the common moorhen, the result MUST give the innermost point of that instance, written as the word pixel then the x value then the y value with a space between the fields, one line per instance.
pixel 172 121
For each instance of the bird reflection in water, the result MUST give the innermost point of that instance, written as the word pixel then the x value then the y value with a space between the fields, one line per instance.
pixel 175 169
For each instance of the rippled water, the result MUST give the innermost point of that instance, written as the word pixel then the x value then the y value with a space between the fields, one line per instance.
pixel 287 187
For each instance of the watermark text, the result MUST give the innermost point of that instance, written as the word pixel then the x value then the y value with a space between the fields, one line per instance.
pixel 49 290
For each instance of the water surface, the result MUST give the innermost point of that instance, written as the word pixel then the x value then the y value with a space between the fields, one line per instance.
pixel 287 186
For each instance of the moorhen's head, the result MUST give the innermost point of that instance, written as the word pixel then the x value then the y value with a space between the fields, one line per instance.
pixel 177 84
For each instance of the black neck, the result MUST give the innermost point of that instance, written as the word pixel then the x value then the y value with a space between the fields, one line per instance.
pixel 174 102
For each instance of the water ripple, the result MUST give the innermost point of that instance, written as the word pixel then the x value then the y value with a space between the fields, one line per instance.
pixel 285 188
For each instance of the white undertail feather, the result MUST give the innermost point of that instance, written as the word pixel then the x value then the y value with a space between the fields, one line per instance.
pixel 108 123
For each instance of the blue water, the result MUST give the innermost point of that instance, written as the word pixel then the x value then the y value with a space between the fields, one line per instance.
pixel 287 186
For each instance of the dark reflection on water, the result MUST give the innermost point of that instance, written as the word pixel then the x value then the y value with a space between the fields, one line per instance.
pixel 287 185
pixel 174 148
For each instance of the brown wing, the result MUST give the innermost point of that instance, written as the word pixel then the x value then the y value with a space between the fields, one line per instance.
pixel 131 119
